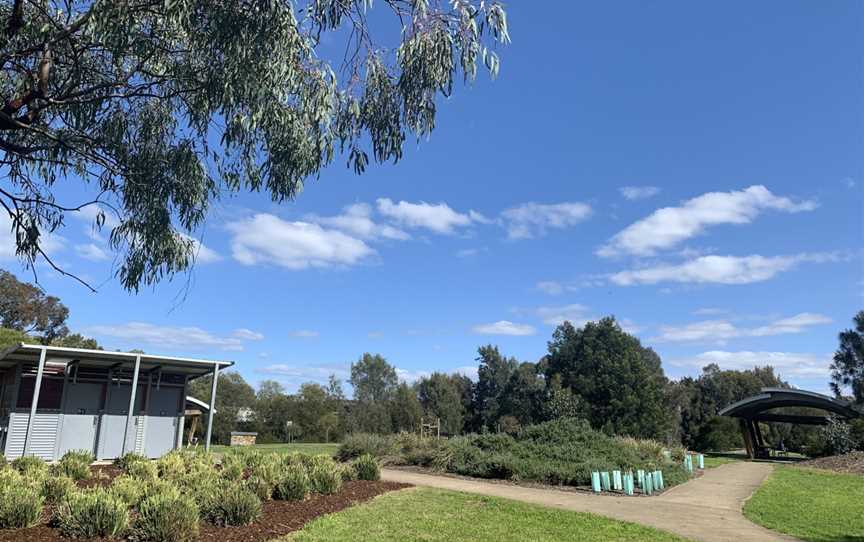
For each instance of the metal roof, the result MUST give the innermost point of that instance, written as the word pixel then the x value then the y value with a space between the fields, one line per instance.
pixel 29 353
pixel 770 398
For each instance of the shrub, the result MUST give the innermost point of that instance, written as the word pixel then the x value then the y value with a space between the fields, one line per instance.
pixel 261 486
pixel 143 470
pixel 367 468
pixel 128 459
pixel 233 466
pixel 293 484
pixel 91 513
pixel 31 467
pixel 128 489
pixel 348 472
pixel 357 444
pixel 55 489
pixel 236 505
pixel 75 464
pixel 20 505
pixel 171 466
pixel 325 477
pixel 168 517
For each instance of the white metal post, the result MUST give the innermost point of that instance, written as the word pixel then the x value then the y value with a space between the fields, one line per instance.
pixel 39 373
pixel 212 405
pixel 131 402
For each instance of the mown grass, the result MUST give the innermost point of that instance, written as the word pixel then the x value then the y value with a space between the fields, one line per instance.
pixel 810 504
pixel 434 515
pixel 302 447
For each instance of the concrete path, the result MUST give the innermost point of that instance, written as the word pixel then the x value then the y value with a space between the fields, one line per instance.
pixel 707 508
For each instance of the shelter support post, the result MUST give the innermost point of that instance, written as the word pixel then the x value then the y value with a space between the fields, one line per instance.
pixel 39 372
pixel 131 412
pixel 212 406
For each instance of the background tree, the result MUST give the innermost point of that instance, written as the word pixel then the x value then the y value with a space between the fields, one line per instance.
pixel 163 106
pixel 620 382
pixel 524 395
pixel 27 308
pixel 405 409
pixel 329 423
pixel 847 369
pixel 232 394
pixel 493 375
pixel 10 337
pixel 76 340
pixel 373 379
pixel 440 396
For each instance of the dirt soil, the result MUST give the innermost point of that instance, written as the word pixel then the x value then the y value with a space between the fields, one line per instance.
pixel 278 518
pixel 851 463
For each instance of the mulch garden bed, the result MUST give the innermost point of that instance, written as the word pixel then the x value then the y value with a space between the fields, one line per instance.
pixel 851 463
pixel 278 518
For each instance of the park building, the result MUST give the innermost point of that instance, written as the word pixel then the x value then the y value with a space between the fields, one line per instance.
pixel 56 399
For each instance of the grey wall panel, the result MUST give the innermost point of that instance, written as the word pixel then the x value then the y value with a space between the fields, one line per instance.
pixel 44 439
pixel 162 420
pixel 80 424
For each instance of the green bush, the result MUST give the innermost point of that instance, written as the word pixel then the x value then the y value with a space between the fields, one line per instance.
pixel 292 485
pixel 325 476
pixel 348 472
pixel 261 486
pixel 128 489
pixel 75 464
pixel 31 467
pixel 171 466
pixel 233 466
pixel 20 504
pixel 357 444
pixel 143 470
pixel 55 489
pixel 367 468
pixel 128 459
pixel 91 513
pixel 168 517
pixel 236 505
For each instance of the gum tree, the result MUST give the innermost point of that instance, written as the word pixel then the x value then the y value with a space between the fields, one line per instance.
pixel 161 106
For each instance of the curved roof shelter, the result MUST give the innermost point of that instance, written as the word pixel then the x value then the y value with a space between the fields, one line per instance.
pixel 753 410
pixel 755 407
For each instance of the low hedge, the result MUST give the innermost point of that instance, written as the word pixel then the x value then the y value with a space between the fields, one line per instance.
pixel 91 513
pixel 167 517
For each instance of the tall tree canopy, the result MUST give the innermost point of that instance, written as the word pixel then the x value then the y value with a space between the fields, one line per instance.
pixel 25 307
pixel 847 369
pixel 373 379
pixel 161 106
pixel 620 382
pixel 493 375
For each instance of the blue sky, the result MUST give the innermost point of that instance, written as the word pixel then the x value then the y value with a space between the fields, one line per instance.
pixel 694 170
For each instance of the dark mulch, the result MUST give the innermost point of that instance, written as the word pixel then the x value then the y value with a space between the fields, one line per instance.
pixel 278 518
pixel 851 463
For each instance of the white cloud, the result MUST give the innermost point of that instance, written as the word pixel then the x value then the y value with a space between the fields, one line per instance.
pixel 356 220
pixel 667 227
pixel 439 218
pixel 304 334
pixel 710 311
pixel 410 376
pixel 504 327
pixel 573 313
pixel 720 331
pixel 295 375
pixel 720 269
pixel 137 334
pixel 550 287
pixel 92 252
pixel 469 252
pixel 267 239
pixel 469 371
pixel 786 363
pixel 90 213
pixel 638 192
pixel 248 335
pixel 531 220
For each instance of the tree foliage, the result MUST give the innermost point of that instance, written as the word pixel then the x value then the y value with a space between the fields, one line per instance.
pixel 27 308
pixel 493 375
pixel 620 382
pixel 373 379
pixel 441 397
pixel 847 369
pixel 161 107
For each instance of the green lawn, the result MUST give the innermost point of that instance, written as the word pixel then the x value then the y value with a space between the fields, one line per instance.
pixel 433 515
pixel 303 447
pixel 810 504
pixel 712 461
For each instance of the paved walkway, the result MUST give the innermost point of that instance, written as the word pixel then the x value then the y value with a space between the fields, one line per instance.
pixel 707 508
